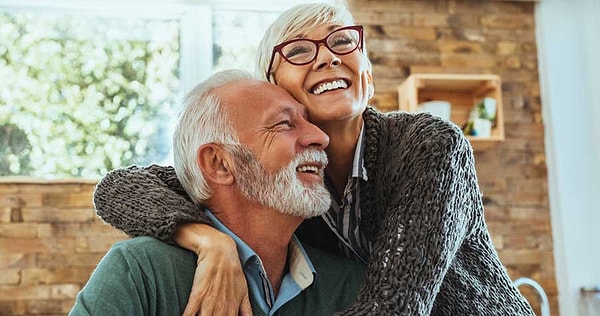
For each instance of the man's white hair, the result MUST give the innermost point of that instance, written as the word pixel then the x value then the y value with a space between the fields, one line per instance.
pixel 203 120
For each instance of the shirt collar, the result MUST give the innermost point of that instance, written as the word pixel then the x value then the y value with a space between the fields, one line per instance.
pixel 358 163
pixel 301 269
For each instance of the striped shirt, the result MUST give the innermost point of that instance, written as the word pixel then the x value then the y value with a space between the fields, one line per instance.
pixel 344 215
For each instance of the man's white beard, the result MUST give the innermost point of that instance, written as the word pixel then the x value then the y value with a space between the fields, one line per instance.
pixel 282 191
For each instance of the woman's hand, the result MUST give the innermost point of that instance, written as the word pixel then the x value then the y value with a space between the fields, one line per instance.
pixel 219 283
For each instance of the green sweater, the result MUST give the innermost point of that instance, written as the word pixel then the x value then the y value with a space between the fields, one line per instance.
pixel 144 276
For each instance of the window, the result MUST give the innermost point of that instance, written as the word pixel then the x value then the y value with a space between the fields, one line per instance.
pixel 87 90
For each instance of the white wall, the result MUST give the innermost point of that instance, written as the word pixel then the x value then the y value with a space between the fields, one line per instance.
pixel 569 52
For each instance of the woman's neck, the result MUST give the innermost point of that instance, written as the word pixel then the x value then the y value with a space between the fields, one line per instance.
pixel 340 152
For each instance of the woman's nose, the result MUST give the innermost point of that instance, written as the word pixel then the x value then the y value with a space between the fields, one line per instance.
pixel 326 58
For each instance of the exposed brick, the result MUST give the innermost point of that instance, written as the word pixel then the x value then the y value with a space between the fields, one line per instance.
pixel 512 62
pixel 43 291
pixel 384 101
pixel 16 216
pixel 11 201
pixel 51 188
pixel 9 277
pixel 11 307
pixel 383 17
pixel 397 6
pixel 429 19
pixel 519 256
pixel 460 47
pixel 94 244
pixel 12 260
pixel 5 214
pixel 56 260
pixel 11 188
pixel 56 275
pixel 60 307
pixel 94 228
pixel 64 291
pixel 417 33
pixel 535 185
pixel 458 21
pixel 498 242
pixel 82 199
pixel 405 59
pixel 468 60
pixel 36 245
pixel 504 48
pixel 24 230
pixel 490 7
pixel 511 22
pixel 58 215
pixel 18 246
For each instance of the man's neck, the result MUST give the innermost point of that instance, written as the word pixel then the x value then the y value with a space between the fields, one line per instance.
pixel 268 233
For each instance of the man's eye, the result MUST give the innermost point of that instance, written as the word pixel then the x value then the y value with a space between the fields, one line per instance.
pixel 285 123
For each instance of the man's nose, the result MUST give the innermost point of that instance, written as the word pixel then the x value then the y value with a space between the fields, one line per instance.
pixel 314 137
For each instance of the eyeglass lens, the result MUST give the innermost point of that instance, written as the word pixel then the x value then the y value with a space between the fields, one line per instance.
pixel 304 51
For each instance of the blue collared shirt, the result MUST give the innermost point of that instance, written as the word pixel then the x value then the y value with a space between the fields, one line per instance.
pixel 301 272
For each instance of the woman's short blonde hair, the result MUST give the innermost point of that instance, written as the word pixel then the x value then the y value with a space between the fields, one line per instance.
pixel 300 19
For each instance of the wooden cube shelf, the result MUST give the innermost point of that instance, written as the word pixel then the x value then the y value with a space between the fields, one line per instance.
pixel 463 91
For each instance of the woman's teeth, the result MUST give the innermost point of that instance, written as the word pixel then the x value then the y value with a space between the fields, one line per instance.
pixel 328 86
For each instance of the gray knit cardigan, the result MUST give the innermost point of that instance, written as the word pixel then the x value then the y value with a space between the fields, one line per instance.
pixel 421 209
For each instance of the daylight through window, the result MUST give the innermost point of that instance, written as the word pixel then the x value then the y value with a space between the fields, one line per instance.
pixel 83 94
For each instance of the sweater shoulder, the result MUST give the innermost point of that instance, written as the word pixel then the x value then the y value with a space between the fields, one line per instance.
pixel 421 132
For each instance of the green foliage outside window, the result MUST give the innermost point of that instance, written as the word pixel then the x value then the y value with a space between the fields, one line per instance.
pixel 81 95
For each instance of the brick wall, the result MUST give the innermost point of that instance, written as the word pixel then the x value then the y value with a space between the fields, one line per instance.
pixel 497 37
pixel 50 239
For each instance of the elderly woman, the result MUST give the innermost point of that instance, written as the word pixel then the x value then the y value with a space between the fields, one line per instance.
pixel 405 196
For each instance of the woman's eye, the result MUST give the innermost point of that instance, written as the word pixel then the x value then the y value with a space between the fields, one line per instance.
pixel 343 41
pixel 298 50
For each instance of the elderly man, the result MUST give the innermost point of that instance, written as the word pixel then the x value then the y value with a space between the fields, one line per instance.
pixel 245 150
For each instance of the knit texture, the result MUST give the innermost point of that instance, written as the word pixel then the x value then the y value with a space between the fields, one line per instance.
pixel 146 201
pixel 421 209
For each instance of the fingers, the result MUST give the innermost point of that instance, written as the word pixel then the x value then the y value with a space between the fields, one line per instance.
pixel 219 287
pixel 245 307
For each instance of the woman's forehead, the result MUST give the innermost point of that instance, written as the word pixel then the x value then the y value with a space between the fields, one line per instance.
pixel 302 32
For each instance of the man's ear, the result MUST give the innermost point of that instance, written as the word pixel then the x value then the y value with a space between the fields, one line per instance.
pixel 215 164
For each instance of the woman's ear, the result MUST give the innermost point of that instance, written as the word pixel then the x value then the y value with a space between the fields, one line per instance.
pixel 370 85
pixel 215 164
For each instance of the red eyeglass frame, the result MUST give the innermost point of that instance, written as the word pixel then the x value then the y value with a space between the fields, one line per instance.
pixel 277 48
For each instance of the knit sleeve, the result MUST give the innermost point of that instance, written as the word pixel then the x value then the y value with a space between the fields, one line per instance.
pixel 145 201
pixel 421 195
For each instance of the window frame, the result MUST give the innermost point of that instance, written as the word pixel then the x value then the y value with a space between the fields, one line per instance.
pixel 196 57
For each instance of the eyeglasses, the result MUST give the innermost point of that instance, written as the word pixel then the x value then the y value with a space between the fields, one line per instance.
pixel 303 51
